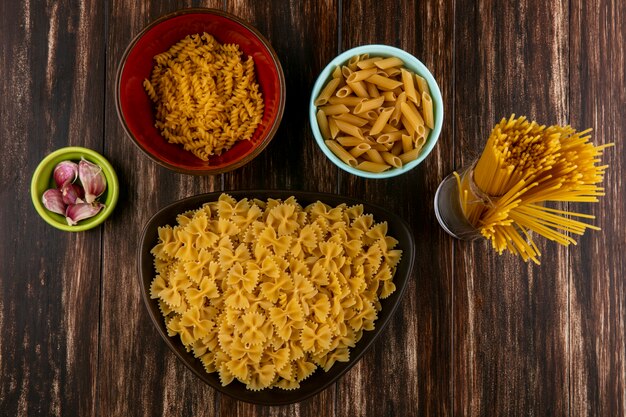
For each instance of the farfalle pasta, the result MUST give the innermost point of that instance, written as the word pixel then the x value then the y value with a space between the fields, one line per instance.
pixel 267 291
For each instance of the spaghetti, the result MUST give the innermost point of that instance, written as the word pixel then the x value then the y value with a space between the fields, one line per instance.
pixel 523 165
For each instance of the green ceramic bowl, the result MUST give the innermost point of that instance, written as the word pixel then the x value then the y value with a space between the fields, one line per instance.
pixel 43 180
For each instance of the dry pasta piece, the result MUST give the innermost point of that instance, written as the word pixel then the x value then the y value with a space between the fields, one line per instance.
pixel 303 300
pixel 334 109
pixel 367 105
pixel 361 75
pixel 389 62
pixel 206 96
pixel 427 105
pixel 409 88
pixel 328 91
pixel 348 128
pixel 359 89
pixel 341 153
pixel 385 83
pixel 373 166
pixel 322 122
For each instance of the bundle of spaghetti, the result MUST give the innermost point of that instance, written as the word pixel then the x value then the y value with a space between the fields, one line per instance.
pixel 523 166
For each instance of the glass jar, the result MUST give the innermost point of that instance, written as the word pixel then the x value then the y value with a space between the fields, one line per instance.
pixel 448 206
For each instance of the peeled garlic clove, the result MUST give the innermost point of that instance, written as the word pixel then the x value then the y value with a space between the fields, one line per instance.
pixel 72 193
pixel 64 172
pixel 93 180
pixel 52 199
pixel 77 212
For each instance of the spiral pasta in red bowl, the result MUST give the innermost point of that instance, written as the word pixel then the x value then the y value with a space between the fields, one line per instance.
pixel 271 296
pixel 200 91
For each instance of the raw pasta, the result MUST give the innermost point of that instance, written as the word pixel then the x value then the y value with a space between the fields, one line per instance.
pixel 206 96
pixel 267 291
pixel 383 106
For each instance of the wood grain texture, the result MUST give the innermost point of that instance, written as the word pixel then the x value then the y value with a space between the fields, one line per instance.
pixel 476 335
pixel 598 264
pixel 49 280
pixel 511 340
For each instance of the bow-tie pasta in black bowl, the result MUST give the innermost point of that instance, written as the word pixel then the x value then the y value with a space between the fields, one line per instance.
pixel 270 296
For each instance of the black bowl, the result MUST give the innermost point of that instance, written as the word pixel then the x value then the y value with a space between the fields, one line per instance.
pixel 320 380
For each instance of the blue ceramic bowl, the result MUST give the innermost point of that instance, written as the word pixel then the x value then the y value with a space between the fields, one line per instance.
pixel 410 63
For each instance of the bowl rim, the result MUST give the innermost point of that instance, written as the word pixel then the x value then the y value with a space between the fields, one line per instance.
pixel 112 188
pixel 381 323
pixel 205 170
pixel 410 61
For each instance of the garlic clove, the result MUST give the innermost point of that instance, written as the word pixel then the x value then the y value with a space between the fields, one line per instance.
pixel 64 172
pixel 93 180
pixel 52 199
pixel 77 212
pixel 72 193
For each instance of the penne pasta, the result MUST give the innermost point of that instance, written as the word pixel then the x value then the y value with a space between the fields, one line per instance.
pixel 409 88
pixel 368 62
pixel 381 121
pixel 392 159
pixel 370 115
pixel 420 132
pixel 327 91
pixel 389 96
pixel 346 71
pixel 389 62
pixel 391 136
pixel 427 106
pixel 372 90
pixel 412 117
pixel 352 119
pixel 344 91
pixel 361 75
pixel 368 105
pixel 334 109
pixel 322 123
pixel 359 89
pixel 409 156
pixel 407 126
pixel 341 153
pixel 353 61
pixel 332 126
pixel 419 141
pixel 348 101
pixel 392 72
pixel 417 112
pixel 337 72
pixel 372 166
pixel 389 129
pixel 422 85
pixel 374 156
pixel 349 141
pixel 407 143
pixel 385 83
pixel 375 145
pixel 360 149
pixel 396 115
pixel 348 128
pixel 396 149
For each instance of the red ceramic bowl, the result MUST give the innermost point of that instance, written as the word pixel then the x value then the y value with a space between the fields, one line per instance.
pixel 136 111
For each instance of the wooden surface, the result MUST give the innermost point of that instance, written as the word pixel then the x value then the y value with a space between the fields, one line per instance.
pixel 477 333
